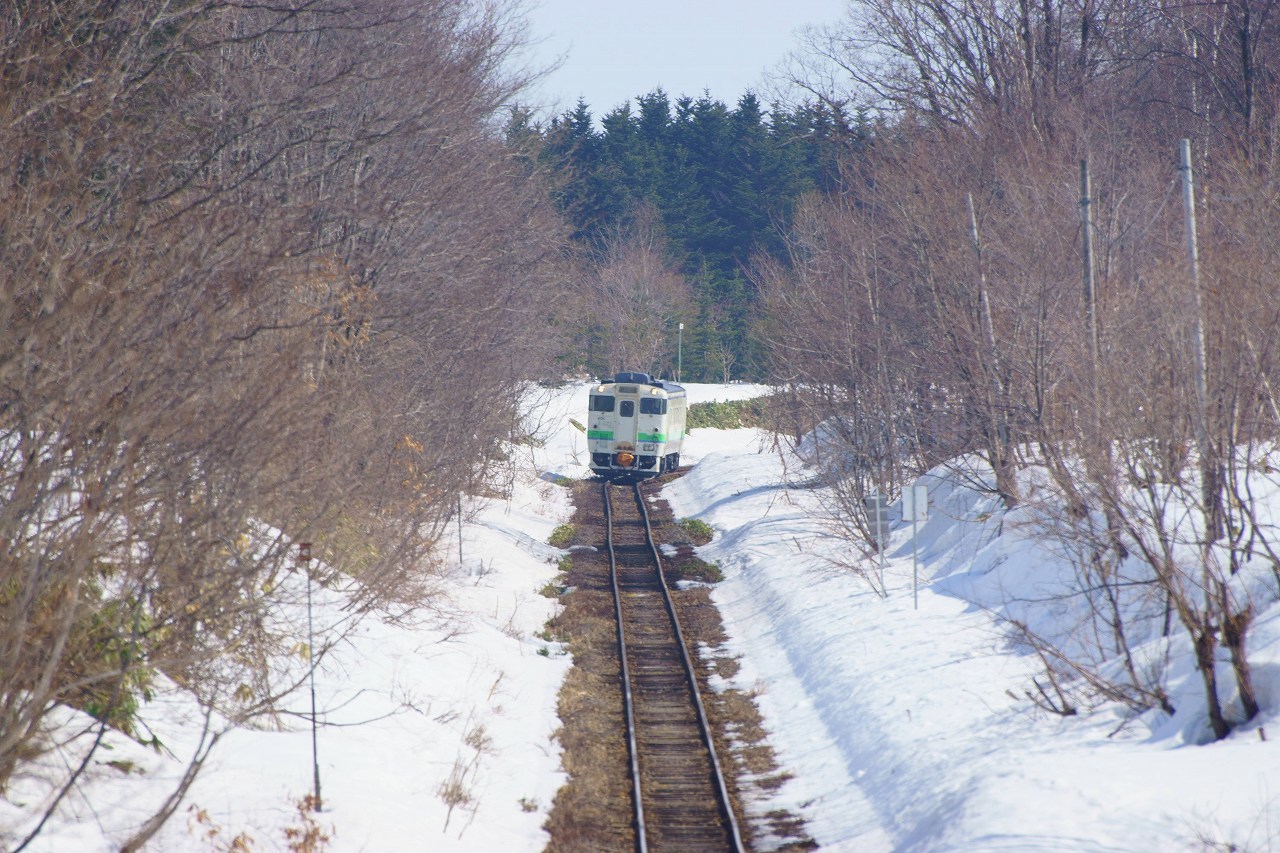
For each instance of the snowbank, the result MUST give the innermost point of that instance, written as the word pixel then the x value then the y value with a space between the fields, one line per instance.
pixel 906 728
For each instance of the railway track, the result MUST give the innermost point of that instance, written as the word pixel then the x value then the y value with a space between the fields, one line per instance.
pixel 680 799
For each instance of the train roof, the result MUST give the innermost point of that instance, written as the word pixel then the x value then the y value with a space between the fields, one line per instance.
pixel 629 377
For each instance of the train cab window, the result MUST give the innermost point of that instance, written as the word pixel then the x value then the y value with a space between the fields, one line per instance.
pixel 653 406
pixel 602 403
pixel 627 409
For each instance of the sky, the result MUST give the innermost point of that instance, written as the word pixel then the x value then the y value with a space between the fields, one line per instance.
pixel 614 52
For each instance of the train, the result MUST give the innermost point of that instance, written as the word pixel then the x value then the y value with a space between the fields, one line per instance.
pixel 635 426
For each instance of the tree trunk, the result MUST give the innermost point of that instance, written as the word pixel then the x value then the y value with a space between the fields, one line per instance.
pixel 1235 631
pixel 1205 645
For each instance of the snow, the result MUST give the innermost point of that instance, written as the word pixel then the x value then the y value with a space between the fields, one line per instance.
pixel 903 725
pixel 407 702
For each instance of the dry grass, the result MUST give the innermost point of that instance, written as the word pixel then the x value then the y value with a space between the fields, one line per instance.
pixel 591 812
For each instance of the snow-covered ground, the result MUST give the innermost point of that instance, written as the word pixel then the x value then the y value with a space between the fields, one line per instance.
pixel 900 724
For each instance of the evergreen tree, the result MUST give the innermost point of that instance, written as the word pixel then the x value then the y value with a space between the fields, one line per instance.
pixel 523 136
pixel 724 183
pixel 572 149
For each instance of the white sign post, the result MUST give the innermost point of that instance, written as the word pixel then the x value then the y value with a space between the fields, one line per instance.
pixel 878 514
pixel 915 508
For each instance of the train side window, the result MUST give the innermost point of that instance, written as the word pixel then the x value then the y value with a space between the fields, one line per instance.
pixel 627 409
pixel 602 403
pixel 653 406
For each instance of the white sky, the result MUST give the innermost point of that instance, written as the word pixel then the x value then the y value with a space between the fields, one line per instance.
pixel 616 51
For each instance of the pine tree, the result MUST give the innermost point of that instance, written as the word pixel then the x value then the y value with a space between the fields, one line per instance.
pixel 724 183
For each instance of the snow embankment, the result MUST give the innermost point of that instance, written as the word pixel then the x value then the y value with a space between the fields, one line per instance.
pixel 908 729
pixel 436 726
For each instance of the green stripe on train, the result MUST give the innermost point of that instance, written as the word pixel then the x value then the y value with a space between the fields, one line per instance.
pixel 600 433
pixel 650 436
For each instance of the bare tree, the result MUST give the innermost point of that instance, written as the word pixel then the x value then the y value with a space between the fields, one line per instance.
pixel 637 296
pixel 268 277
pixel 838 352
pixel 957 62
pixel 963 225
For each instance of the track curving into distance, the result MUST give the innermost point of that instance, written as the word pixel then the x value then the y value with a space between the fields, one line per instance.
pixel 679 793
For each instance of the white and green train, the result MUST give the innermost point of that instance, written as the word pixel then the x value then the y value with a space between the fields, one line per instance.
pixel 636 426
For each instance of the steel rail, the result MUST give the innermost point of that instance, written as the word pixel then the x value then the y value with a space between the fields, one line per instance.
pixel 628 700
pixel 722 789
pixel 704 727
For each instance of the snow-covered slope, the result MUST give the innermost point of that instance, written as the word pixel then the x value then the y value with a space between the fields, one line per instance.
pixel 904 728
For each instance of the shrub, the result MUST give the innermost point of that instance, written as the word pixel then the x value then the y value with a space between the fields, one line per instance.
pixel 106 654
pixel 698 531
pixel 562 536
pixel 728 414
pixel 695 569
pixel 556 588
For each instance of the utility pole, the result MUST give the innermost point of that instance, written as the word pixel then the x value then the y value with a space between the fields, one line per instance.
pixel 1193 257
pixel 304 557
pixel 1001 460
pixel 679 349
pixel 1209 486
pixel 1090 296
